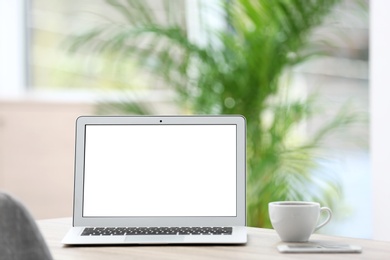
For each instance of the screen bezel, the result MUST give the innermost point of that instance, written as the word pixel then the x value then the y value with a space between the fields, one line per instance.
pixel 238 220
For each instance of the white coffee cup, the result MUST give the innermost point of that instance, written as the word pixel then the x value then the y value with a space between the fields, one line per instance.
pixel 295 221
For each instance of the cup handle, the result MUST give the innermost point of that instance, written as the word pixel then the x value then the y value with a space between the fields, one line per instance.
pixel 323 209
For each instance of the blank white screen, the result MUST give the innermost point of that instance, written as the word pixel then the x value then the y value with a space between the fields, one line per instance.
pixel 160 170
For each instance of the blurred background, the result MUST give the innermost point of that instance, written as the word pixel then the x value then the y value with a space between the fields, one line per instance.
pixel 46 83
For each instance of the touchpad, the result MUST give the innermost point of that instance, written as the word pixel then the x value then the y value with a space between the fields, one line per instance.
pixel 154 239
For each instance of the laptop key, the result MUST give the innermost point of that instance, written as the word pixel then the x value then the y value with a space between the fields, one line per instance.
pixel 87 231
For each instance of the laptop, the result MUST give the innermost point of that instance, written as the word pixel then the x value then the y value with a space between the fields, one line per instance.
pixel 159 180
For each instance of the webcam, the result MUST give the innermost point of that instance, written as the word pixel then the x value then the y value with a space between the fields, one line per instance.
pixel 160 121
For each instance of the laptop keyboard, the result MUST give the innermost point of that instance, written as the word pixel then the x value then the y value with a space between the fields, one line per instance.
pixel 127 231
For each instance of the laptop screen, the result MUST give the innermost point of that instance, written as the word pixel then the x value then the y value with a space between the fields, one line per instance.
pixel 160 170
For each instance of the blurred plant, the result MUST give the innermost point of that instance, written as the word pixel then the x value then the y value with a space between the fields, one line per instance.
pixel 238 71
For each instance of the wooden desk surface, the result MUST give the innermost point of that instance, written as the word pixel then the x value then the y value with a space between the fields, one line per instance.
pixel 261 245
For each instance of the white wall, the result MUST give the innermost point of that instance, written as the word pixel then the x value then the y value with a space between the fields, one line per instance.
pixel 380 116
pixel 37 153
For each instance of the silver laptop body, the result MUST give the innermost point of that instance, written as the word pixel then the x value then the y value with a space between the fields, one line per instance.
pixel 159 180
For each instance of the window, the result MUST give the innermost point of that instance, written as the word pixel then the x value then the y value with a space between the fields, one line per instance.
pixel 12 48
pixel 50 68
pixel 54 67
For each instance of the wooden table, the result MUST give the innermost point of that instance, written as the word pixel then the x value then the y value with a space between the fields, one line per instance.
pixel 261 245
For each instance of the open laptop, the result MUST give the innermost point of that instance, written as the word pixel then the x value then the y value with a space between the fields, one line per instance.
pixel 159 179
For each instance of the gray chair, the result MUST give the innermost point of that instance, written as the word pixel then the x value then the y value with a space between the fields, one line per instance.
pixel 20 237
